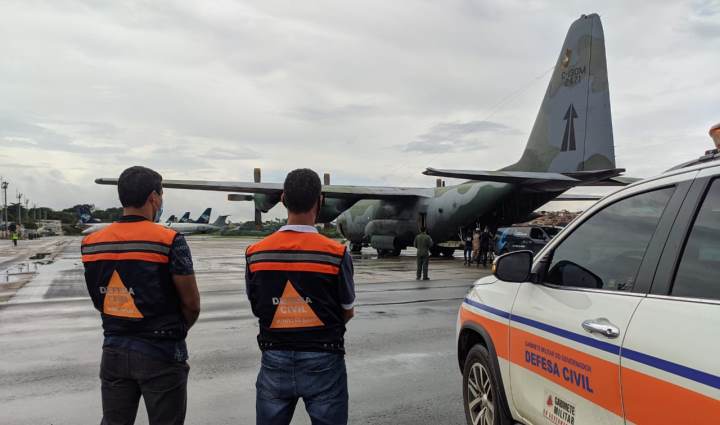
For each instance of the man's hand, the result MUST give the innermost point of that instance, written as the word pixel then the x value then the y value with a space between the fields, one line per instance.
pixel 187 289
pixel 348 314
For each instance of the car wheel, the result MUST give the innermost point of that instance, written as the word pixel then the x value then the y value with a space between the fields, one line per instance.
pixel 481 392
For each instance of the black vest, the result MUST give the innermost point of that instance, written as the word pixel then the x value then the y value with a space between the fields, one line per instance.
pixel 129 282
pixel 293 290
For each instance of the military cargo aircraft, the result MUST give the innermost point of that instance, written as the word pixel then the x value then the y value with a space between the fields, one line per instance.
pixel 571 144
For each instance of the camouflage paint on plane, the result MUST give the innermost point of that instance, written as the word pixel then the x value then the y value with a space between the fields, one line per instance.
pixel 572 132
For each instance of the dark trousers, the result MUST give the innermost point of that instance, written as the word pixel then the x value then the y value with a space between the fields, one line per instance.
pixel 467 254
pixel 320 379
pixel 422 266
pixel 483 256
pixel 125 375
pixel 14 242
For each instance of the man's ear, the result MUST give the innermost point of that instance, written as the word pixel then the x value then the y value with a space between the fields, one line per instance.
pixel 282 199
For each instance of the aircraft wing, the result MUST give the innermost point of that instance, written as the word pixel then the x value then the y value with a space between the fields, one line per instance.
pixel 613 181
pixel 537 180
pixel 516 177
pixel 218 186
pixel 330 191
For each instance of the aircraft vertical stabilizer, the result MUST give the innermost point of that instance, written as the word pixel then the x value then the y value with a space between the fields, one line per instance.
pixel 221 221
pixel 205 216
pixel 573 129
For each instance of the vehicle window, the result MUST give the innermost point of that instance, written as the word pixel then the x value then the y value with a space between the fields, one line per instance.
pixel 536 233
pixel 697 275
pixel 520 232
pixel 605 251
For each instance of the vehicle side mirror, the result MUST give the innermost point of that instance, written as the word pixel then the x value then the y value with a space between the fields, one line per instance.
pixel 514 266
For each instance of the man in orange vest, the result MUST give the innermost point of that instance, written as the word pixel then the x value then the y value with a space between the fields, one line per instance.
pixel 300 286
pixel 140 277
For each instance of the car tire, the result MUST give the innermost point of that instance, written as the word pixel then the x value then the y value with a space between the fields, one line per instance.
pixel 482 393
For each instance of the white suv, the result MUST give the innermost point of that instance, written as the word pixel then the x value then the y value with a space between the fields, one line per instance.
pixel 616 320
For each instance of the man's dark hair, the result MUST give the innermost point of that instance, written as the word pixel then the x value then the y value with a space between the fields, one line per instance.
pixel 302 189
pixel 136 184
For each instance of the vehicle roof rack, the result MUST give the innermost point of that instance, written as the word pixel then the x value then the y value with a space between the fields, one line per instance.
pixel 710 155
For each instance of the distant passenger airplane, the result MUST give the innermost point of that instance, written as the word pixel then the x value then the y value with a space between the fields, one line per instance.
pixel 183 228
pixel 571 144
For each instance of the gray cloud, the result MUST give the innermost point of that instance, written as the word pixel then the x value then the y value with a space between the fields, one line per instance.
pixel 42 136
pixel 209 91
pixel 458 137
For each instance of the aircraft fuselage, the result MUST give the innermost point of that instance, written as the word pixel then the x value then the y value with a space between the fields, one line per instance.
pixel 381 222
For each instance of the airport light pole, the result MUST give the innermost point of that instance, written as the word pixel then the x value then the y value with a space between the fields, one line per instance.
pixel 4 186
pixel 19 214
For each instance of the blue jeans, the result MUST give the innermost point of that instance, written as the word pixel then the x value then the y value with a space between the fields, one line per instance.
pixel 320 379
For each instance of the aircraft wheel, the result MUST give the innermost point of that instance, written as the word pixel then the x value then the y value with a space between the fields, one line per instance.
pixel 396 252
pixel 355 248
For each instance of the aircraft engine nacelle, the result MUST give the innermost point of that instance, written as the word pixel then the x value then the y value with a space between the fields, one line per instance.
pixel 265 202
pixel 332 208
pixel 388 234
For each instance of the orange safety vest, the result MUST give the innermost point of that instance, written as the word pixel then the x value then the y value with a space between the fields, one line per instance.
pixel 293 285
pixel 128 278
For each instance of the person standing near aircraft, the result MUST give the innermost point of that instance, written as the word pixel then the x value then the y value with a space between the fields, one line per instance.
pixel 423 242
pixel 140 277
pixel 484 247
pixel 467 252
pixel 476 245
pixel 300 286
pixel 15 238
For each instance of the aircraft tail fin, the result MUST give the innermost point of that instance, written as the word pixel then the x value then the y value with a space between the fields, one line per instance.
pixel 221 221
pixel 573 128
pixel 205 216
pixel 172 219
pixel 185 217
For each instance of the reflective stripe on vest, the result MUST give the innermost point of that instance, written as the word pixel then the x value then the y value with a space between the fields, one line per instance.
pixel 295 251
pixel 137 240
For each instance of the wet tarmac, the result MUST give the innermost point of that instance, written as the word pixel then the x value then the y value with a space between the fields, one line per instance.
pixel 401 357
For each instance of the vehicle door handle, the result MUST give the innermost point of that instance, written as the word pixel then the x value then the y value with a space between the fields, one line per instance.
pixel 601 326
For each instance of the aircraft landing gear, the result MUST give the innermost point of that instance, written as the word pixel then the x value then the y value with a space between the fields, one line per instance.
pixel 383 253
pixel 447 252
pixel 355 248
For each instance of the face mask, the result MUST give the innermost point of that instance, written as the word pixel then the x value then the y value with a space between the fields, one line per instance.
pixel 159 212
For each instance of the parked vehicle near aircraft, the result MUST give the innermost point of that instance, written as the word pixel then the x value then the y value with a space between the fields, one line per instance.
pixel 613 322
pixel 516 238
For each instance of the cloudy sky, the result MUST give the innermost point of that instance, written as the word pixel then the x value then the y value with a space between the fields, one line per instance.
pixel 371 92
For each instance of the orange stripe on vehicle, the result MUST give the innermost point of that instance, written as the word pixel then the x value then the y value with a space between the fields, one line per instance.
pixel 590 377
pixel 499 332
pixel 120 256
pixel 649 400
pixel 294 267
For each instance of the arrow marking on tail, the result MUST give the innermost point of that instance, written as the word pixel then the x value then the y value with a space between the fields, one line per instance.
pixel 568 142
